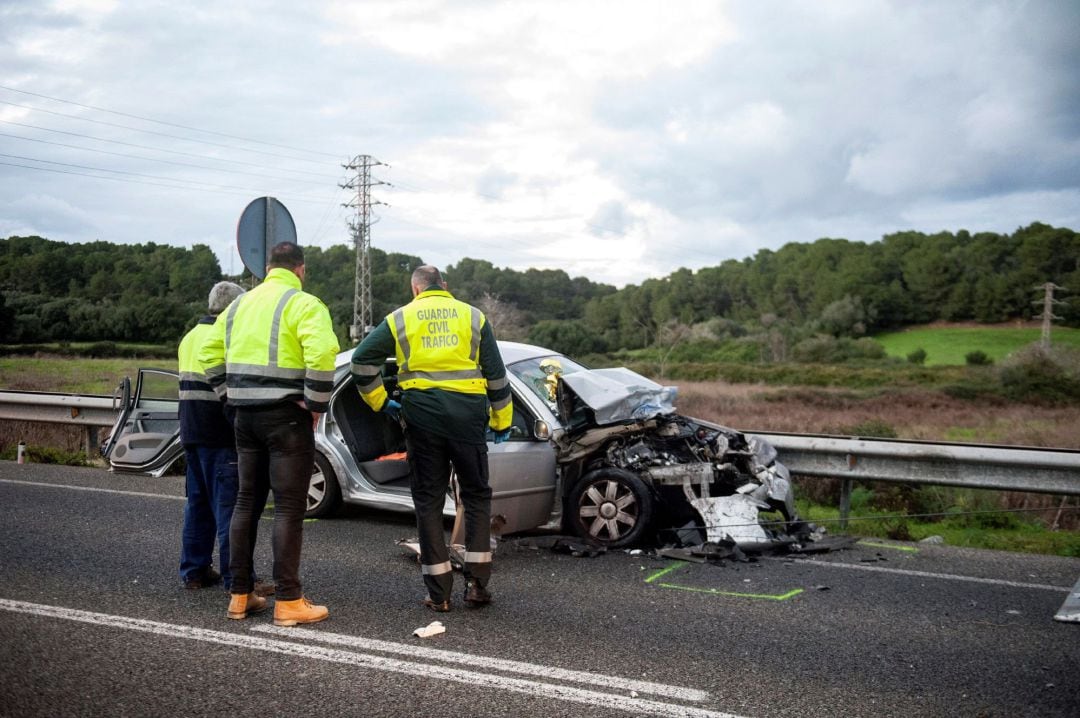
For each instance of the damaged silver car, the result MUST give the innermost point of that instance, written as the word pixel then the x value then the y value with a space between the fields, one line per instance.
pixel 601 454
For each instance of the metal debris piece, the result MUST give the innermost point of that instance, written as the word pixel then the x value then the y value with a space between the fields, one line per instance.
pixel 577 548
pixel 824 545
pixel 410 544
pixel 1070 610
pixel 564 544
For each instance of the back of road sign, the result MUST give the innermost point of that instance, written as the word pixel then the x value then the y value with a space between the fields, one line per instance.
pixel 264 223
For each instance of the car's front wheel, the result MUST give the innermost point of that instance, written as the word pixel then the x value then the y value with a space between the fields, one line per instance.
pixel 324 493
pixel 610 506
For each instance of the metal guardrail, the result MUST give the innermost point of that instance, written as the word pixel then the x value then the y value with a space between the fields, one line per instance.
pixel 975 466
pixel 89 411
pixel 86 410
pixel 979 466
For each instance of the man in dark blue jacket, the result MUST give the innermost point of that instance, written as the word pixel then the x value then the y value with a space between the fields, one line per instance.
pixel 206 433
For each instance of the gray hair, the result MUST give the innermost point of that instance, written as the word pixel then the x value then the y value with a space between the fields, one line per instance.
pixel 222 294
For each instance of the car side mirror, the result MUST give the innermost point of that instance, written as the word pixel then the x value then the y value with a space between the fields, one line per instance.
pixel 541 430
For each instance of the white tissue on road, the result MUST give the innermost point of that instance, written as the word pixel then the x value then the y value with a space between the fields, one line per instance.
pixel 432 629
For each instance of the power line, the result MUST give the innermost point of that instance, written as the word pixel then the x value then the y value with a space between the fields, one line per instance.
pixel 152 149
pixel 246 193
pixel 152 159
pixel 316 235
pixel 159 134
pixel 125 172
pixel 167 124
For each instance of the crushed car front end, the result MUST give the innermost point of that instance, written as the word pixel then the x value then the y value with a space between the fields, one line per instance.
pixel 636 470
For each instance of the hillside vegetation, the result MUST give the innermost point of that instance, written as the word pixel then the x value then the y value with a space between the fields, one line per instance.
pixel 802 301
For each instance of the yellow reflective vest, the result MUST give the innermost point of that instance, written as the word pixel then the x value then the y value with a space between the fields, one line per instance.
pixel 271 344
pixel 437 341
pixel 203 421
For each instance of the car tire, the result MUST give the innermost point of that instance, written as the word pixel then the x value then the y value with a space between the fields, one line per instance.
pixel 611 507
pixel 324 492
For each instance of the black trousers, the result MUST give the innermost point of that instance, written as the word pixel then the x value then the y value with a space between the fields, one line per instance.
pixel 431 457
pixel 275 446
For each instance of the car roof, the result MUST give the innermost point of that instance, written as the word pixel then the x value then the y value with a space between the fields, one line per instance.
pixel 512 352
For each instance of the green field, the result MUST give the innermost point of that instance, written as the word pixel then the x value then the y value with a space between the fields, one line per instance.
pixel 74 375
pixel 949 345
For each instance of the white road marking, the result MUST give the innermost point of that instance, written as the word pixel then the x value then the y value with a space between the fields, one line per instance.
pixel 93 488
pixel 612 701
pixel 926 574
pixel 496 664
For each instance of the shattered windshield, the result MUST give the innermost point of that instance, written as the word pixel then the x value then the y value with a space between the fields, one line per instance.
pixel 541 374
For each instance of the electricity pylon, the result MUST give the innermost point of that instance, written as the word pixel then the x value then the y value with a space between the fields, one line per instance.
pixel 360 228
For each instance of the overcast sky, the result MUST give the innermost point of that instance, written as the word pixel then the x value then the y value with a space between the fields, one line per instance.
pixel 616 140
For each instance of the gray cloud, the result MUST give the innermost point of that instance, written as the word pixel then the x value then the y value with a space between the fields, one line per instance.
pixel 738 127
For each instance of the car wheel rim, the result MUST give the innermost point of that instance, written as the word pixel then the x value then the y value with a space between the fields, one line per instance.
pixel 316 487
pixel 609 509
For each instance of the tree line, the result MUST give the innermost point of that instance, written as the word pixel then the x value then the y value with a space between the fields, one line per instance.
pixel 98 291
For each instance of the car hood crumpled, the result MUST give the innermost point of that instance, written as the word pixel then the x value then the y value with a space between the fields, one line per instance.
pixel 611 396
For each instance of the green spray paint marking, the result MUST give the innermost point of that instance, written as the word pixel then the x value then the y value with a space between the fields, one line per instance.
pixel 714 591
pixel 664 572
pixel 717 592
pixel 910 549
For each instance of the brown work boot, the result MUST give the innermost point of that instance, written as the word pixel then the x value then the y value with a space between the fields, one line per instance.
pixel 475 594
pixel 436 606
pixel 290 613
pixel 241 605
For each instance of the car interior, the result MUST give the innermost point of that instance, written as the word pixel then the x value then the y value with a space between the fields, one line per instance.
pixel 376 440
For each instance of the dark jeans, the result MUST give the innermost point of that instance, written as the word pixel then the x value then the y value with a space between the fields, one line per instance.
pixel 211 493
pixel 276 449
pixel 430 457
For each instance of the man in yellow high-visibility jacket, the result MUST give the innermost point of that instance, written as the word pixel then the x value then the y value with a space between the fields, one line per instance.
pixel 206 434
pixel 272 354
pixel 454 388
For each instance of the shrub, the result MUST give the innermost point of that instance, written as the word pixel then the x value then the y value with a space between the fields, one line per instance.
pixel 1042 376
pixel 917 357
pixel 46 455
pixel 974 391
pixel 977 358
pixel 825 349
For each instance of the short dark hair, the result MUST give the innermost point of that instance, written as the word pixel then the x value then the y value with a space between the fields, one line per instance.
pixel 426 276
pixel 287 255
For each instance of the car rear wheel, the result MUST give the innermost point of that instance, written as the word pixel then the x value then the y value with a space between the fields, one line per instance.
pixel 324 493
pixel 610 506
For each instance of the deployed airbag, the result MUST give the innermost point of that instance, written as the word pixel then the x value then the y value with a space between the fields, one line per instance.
pixel 618 395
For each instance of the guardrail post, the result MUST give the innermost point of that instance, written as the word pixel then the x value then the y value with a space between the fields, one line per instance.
pixel 92 444
pixel 845 502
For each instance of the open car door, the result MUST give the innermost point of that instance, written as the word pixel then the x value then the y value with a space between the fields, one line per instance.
pixel 146 437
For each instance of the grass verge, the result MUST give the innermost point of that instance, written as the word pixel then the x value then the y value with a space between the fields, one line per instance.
pixel 1020 534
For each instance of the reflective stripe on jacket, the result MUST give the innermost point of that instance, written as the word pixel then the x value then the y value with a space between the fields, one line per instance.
pixel 202 417
pixel 273 343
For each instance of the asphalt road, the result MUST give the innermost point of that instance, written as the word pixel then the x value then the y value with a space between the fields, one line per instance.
pixel 95 622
